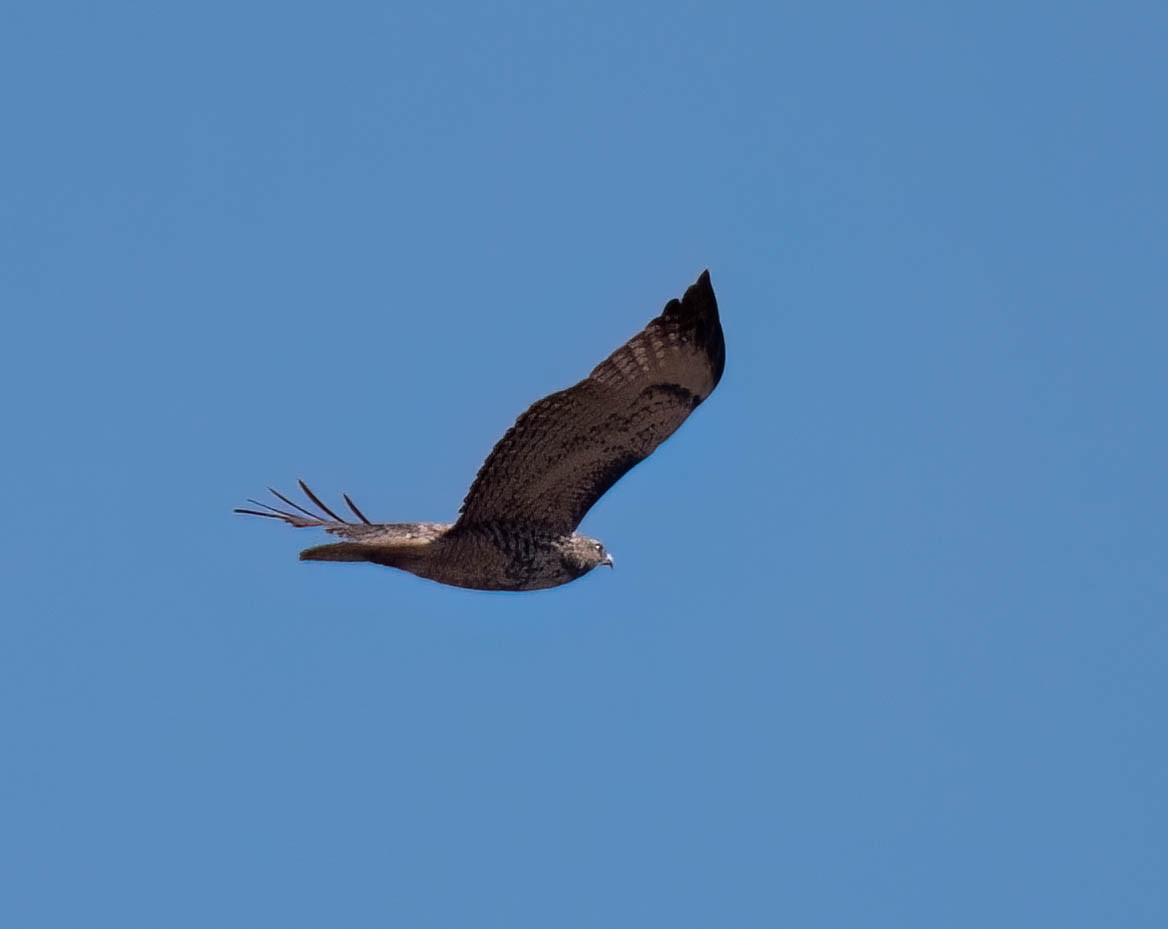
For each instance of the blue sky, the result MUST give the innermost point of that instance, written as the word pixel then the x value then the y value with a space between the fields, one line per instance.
pixel 886 641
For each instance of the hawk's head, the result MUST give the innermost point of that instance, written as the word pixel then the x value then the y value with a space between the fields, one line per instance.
pixel 581 554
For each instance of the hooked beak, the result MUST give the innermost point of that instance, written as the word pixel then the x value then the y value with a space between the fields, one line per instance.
pixel 608 559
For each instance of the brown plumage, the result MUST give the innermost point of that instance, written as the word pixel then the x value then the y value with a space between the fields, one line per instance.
pixel 516 529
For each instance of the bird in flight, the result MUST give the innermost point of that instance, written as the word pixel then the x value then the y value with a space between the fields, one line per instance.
pixel 517 526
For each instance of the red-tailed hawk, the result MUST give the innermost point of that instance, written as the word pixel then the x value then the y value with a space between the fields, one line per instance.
pixel 517 526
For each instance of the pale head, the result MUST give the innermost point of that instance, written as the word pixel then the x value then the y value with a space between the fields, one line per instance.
pixel 581 554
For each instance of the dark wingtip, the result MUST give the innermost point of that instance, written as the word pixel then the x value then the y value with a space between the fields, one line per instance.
pixel 697 311
pixel 698 301
pixel 701 292
pixel 257 513
pixel 699 308
pixel 357 512
pixel 315 499
pixel 295 506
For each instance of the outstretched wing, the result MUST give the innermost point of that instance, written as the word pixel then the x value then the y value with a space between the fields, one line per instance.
pixel 569 448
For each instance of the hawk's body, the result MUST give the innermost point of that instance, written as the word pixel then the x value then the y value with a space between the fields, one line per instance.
pixel 516 529
pixel 485 556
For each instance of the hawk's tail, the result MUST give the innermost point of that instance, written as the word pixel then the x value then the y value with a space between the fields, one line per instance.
pixel 342 551
pixel 397 545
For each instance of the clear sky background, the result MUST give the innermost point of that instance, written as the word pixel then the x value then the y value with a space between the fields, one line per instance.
pixel 886 642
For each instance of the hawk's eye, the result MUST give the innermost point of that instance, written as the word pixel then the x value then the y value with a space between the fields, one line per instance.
pixel 599 547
